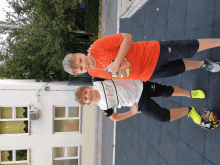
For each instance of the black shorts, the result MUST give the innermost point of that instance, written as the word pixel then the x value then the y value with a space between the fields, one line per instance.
pixel 153 89
pixel 148 106
pixel 170 61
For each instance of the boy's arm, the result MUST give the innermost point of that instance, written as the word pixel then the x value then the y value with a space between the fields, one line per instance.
pixel 117 117
pixel 123 50
pixel 121 116
pixel 97 79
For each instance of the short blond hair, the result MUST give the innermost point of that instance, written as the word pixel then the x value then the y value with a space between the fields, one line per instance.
pixel 69 64
pixel 79 96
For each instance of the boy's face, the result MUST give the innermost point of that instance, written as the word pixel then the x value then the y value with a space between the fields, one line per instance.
pixel 85 63
pixel 88 96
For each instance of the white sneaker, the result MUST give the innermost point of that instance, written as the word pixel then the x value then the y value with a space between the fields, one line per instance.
pixel 211 66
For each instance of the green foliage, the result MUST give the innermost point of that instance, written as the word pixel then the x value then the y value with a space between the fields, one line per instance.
pixel 25 112
pixel 21 155
pixel 26 126
pixel 36 50
pixel 9 156
pixel 91 17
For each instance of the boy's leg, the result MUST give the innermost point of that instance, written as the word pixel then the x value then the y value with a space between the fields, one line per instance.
pixel 190 65
pixel 177 67
pixel 208 43
pixel 170 61
pixel 176 113
pixel 204 64
pixel 196 94
pixel 169 69
pixel 181 92
pixel 152 89
pixel 151 109
pixel 204 44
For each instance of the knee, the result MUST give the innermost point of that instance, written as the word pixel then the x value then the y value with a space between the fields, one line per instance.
pixel 166 116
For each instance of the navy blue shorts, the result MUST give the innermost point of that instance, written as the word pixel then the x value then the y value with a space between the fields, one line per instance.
pixel 170 61
pixel 148 106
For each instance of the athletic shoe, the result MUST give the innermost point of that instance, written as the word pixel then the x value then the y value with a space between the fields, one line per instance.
pixel 195 116
pixel 211 66
pixel 197 94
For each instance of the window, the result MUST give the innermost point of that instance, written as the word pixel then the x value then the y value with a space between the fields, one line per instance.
pixel 14 120
pixel 14 157
pixel 66 155
pixel 67 119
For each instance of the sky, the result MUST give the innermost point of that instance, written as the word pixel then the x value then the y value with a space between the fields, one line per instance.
pixel 4 5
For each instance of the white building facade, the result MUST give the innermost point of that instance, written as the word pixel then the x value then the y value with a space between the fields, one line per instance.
pixel 41 124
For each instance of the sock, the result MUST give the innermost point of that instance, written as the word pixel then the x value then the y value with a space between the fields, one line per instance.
pixel 190 108
pixel 204 62
pixel 190 94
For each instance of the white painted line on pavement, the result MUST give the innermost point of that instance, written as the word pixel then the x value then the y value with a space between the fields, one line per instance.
pixel 114 139
pixel 118 16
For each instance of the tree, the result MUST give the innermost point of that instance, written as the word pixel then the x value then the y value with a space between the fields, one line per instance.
pixel 36 50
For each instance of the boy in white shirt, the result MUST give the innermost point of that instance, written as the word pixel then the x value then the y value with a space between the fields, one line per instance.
pixel 137 95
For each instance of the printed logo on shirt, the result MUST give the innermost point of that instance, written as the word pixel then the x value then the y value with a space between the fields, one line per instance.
pixel 153 87
pixel 169 48
pixel 124 70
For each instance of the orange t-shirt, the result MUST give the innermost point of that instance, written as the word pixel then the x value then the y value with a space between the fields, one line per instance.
pixel 143 56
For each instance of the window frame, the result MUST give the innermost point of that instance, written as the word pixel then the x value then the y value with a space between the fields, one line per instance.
pixel 17 119
pixel 14 157
pixel 66 153
pixel 68 118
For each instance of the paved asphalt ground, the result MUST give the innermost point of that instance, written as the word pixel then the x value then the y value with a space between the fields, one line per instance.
pixel 109 19
pixel 141 140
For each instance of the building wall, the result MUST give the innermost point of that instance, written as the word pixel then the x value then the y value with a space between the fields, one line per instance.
pixel 88 134
pixel 42 140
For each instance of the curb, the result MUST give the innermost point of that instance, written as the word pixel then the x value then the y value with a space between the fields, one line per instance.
pixel 130 8
pixel 100 19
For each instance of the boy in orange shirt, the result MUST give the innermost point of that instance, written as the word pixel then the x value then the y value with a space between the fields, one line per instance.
pixel 146 59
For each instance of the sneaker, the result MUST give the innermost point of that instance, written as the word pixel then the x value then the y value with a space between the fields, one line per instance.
pixel 211 66
pixel 195 116
pixel 197 94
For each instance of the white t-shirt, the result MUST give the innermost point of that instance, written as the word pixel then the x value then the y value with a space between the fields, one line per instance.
pixel 129 92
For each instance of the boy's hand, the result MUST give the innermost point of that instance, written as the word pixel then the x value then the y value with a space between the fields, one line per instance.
pixel 89 50
pixel 113 67
pixel 134 109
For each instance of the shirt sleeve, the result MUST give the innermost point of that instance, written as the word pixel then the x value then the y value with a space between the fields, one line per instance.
pixel 108 42
pixel 97 79
pixel 108 112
